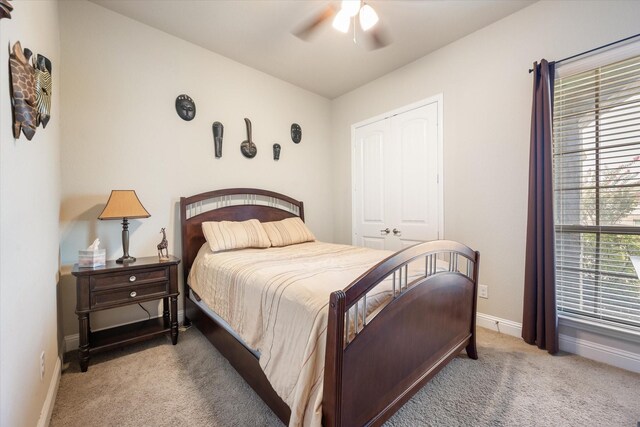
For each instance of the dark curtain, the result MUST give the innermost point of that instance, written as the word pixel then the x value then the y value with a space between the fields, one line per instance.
pixel 540 321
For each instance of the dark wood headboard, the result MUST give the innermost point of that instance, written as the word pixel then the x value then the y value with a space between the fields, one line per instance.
pixel 231 204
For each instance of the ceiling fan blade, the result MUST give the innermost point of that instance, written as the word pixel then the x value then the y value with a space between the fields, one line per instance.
pixel 378 37
pixel 304 31
pixel 5 9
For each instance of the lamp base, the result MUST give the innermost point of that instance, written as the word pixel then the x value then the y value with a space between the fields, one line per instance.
pixel 126 260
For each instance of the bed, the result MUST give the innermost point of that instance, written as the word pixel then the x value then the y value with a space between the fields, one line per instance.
pixel 420 302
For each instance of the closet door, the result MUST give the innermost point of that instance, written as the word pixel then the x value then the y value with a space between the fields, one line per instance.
pixel 413 199
pixel 371 182
pixel 396 189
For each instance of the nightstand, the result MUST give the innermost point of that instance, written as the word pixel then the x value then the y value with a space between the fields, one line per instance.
pixel 117 285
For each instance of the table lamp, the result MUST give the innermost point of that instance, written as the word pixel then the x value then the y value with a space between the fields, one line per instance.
pixel 124 204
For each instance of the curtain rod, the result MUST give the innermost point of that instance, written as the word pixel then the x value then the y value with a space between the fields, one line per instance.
pixel 592 50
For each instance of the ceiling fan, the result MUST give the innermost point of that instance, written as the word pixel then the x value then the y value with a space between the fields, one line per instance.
pixel 350 11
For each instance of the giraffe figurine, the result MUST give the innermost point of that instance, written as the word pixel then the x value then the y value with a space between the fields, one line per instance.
pixel 163 252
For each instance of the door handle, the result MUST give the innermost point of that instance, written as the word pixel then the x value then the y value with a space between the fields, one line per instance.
pixel 385 231
pixel 397 232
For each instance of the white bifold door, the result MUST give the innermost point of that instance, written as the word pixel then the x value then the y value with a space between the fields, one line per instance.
pixel 397 190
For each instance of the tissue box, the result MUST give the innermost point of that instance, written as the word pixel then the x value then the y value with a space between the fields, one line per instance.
pixel 92 258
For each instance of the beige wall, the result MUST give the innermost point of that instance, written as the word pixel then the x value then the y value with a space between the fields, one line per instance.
pixel 120 79
pixel 29 207
pixel 121 131
pixel 487 98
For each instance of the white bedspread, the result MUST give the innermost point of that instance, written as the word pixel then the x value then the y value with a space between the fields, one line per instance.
pixel 276 299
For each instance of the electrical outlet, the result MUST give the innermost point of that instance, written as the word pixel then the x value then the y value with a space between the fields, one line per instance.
pixel 483 291
pixel 42 365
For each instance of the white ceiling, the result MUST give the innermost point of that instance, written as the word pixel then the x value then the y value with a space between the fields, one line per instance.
pixel 257 33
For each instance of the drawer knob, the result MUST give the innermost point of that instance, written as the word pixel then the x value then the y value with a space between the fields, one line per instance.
pixel 132 278
pixel 133 294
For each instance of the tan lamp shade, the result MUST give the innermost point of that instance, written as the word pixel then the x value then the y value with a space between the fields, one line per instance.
pixel 123 204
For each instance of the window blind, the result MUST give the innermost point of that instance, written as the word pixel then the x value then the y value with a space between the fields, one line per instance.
pixel 596 169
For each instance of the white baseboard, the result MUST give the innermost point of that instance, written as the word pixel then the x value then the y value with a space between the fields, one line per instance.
pixel 588 349
pixel 47 408
pixel 601 353
pixel 72 342
pixel 497 324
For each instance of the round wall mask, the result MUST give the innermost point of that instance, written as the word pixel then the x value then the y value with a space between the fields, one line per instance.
pixel 185 107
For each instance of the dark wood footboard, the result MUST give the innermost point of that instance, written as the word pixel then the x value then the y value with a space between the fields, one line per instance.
pixel 373 366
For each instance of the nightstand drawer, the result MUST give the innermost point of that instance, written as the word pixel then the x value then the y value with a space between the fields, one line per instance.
pixel 128 295
pixel 110 281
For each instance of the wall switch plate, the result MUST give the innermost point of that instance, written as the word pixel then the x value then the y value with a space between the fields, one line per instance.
pixel 483 291
pixel 42 365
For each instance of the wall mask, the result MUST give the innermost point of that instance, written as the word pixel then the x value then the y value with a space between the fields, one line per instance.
pixel 23 92
pixel 43 89
pixel 296 133
pixel 276 151
pixel 248 148
pixel 218 131
pixel 185 107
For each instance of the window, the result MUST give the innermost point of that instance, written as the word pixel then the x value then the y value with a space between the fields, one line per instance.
pixel 596 158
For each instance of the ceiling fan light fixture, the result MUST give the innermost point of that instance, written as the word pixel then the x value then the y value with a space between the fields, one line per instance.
pixel 342 21
pixel 368 17
pixel 350 7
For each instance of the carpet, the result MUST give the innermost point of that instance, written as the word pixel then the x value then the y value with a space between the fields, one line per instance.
pixel 512 384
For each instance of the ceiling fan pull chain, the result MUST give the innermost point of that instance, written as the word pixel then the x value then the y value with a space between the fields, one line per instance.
pixel 354 29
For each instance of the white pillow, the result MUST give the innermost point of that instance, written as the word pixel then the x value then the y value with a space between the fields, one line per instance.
pixel 227 235
pixel 288 232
